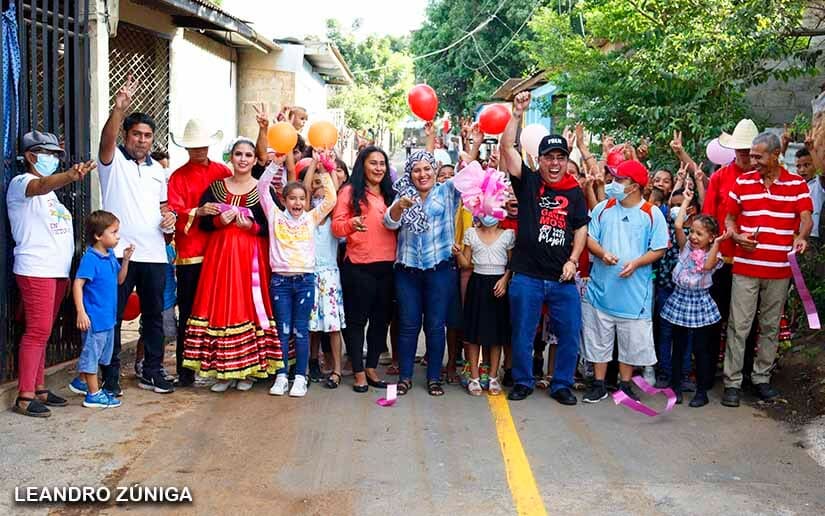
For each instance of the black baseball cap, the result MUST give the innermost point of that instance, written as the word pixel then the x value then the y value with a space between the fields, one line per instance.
pixel 553 142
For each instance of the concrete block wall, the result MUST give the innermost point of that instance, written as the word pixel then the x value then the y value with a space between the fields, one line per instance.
pixel 258 82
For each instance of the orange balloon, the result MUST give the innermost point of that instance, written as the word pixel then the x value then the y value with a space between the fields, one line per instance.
pixel 282 137
pixel 322 135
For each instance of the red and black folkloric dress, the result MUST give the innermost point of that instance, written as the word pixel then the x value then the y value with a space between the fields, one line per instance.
pixel 227 335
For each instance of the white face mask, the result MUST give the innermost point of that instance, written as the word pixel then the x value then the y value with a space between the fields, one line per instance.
pixel 674 213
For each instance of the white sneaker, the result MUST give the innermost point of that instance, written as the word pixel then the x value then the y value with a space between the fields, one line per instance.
pixel 299 387
pixel 203 382
pixel 222 385
pixel 649 375
pixel 280 386
pixel 244 385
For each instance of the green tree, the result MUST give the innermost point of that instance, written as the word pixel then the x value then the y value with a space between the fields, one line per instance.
pixel 383 74
pixel 638 68
pixel 472 70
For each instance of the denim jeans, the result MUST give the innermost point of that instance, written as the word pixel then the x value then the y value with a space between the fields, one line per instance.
pixel 292 300
pixel 527 294
pixel 149 279
pixel 423 294
pixel 664 339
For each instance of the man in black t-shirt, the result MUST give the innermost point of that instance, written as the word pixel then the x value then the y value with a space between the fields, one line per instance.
pixel 552 235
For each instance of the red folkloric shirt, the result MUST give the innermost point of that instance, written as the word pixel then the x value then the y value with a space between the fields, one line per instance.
pixel 184 191
pixel 716 204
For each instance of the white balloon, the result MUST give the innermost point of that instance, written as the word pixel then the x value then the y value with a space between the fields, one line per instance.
pixel 531 138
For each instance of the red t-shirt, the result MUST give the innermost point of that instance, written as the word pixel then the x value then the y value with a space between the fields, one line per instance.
pixel 774 213
pixel 509 223
pixel 716 204
pixel 184 191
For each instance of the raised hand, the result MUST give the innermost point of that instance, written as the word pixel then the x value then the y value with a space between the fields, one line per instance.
pixel 579 133
pixel 261 116
pixel 644 149
pixel 476 134
pixel 128 252
pixel 79 170
pixel 521 103
pixel 125 95
pixel 786 138
pixel 429 128
pixel 676 143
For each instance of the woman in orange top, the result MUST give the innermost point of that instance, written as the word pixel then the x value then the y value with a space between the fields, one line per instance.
pixel 367 271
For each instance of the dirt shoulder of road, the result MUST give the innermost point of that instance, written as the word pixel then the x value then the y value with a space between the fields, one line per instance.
pixel 800 377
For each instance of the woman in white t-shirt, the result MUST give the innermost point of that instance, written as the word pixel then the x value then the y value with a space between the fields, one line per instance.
pixel 44 246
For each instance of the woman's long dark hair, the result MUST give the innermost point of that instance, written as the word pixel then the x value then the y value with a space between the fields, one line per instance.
pixel 358 182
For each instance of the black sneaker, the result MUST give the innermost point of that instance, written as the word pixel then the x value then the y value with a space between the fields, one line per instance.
pixel 595 393
pixel 315 371
pixel 519 393
pixel 156 383
pixel 627 388
pixel 185 378
pixel 662 382
pixel 507 380
pixel 765 391
pixel 731 397
pixel 113 389
pixel 700 399
pixel 679 397
pixel 564 396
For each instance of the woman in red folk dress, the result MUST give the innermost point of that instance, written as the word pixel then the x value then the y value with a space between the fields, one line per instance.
pixel 231 334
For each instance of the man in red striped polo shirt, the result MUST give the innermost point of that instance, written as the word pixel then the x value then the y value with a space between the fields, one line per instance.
pixel 769 215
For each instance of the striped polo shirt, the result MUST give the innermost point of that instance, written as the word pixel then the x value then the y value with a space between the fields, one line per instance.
pixel 773 213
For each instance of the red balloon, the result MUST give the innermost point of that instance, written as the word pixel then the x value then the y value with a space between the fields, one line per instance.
pixel 423 102
pixel 132 310
pixel 493 119
pixel 446 128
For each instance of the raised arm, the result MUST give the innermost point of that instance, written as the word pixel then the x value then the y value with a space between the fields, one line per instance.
pixel 679 149
pixel 108 137
pixel 429 132
pixel 510 155
pixel 328 203
pixel 478 138
pixel 44 185
pixel 681 238
pixel 262 143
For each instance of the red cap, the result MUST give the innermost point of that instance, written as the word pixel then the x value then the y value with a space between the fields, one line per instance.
pixel 615 157
pixel 633 170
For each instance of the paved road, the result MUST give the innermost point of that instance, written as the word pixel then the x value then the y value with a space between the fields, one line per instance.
pixel 336 452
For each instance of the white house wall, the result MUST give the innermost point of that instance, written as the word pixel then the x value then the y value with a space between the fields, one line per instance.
pixel 204 85
pixel 311 92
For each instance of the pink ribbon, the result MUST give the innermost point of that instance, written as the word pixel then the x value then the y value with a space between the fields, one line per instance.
pixel 392 396
pixel 257 293
pixel 804 293
pixel 243 210
pixel 620 398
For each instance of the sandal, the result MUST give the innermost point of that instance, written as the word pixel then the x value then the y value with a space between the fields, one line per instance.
pixel 35 408
pixel 52 399
pixel 495 387
pixel 403 387
pixel 434 388
pixel 333 384
pixel 474 387
pixel 392 371
pixel 452 376
pixel 543 383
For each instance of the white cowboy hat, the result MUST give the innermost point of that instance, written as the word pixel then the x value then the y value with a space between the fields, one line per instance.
pixel 196 135
pixel 742 137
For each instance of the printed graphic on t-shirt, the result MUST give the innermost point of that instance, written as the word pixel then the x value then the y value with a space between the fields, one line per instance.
pixel 553 220
pixel 60 214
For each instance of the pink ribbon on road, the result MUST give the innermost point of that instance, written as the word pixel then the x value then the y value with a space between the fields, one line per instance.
pixel 257 293
pixel 804 293
pixel 392 396
pixel 620 398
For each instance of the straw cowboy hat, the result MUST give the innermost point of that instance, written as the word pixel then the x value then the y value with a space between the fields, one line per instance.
pixel 742 137
pixel 196 135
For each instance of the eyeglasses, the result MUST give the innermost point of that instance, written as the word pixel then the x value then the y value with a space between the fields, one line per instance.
pixel 551 159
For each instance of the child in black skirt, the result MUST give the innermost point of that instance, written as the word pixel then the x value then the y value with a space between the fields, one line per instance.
pixel 486 308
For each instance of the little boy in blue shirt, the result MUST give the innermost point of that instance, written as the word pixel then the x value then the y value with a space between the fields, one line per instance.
pixel 95 297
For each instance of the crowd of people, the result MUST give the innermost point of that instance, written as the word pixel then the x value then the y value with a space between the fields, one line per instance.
pixel 260 269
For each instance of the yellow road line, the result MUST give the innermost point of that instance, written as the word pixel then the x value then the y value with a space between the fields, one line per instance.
pixel 520 478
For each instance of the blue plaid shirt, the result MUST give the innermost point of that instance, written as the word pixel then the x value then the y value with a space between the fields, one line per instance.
pixel 428 249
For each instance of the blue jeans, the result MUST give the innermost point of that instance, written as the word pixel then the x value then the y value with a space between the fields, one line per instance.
pixel 527 294
pixel 664 339
pixel 423 294
pixel 292 300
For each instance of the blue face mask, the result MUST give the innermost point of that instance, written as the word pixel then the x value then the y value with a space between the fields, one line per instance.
pixel 488 221
pixel 46 164
pixel 615 190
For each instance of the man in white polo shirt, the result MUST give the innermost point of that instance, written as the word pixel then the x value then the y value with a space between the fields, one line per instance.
pixel 133 187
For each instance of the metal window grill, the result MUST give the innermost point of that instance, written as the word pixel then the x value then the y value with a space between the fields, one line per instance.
pixel 53 96
pixel 145 56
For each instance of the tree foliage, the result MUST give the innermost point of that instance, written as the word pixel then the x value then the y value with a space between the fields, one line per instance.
pixel 378 99
pixel 639 68
pixel 471 71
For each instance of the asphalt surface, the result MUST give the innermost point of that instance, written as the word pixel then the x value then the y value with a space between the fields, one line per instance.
pixel 337 452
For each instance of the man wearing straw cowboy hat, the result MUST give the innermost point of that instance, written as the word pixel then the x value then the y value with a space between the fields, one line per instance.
pixel 186 186
pixel 715 204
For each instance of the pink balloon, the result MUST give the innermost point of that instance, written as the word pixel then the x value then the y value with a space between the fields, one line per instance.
pixel 718 154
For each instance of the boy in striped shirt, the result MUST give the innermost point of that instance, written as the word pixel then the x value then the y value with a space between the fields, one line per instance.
pixel 769 215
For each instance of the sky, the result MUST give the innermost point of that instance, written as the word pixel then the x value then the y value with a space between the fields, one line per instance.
pixel 308 17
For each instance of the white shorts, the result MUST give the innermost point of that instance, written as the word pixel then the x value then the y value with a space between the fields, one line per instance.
pixel 601 330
